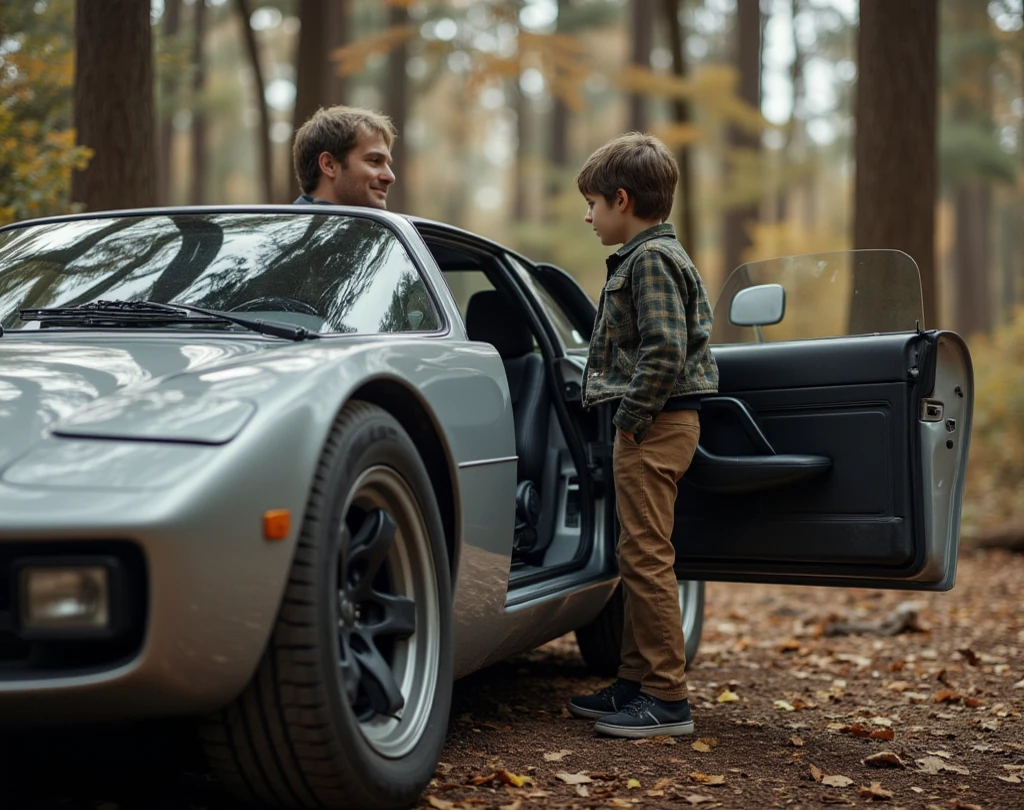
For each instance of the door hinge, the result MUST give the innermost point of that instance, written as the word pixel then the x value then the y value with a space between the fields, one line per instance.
pixel 931 410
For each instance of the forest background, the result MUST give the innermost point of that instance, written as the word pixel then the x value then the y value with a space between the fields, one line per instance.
pixel 800 126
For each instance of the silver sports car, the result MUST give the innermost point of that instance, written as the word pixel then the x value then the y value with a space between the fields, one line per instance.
pixel 292 471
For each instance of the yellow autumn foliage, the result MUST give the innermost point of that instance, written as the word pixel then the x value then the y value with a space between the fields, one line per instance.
pixel 994 492
pixel 37 143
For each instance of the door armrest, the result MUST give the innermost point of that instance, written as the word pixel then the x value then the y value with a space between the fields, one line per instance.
pixel 765 470
pixel 731 474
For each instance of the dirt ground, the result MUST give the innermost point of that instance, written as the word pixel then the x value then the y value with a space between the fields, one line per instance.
pixel 802 697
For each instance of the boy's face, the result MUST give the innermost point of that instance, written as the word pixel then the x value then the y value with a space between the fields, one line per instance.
pixel 608 219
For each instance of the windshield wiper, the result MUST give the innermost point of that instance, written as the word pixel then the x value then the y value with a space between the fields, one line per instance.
pixel 105 313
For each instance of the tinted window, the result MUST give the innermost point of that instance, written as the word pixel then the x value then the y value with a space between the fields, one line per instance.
pixel 327 272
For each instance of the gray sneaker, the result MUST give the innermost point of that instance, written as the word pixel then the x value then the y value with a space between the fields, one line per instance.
pixel 609 700
pixel 648 716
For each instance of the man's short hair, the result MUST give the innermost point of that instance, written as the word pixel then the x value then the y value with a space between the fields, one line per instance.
pixel 639 163
pixel 334 130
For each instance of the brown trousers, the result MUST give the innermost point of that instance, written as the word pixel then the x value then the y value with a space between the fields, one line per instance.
pixel 646 476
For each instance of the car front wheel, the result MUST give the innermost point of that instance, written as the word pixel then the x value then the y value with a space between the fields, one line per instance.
pixel 349 706
pixel 601 640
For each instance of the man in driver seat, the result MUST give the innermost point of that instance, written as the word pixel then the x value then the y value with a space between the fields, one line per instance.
pixel 342 156
pixel 650 354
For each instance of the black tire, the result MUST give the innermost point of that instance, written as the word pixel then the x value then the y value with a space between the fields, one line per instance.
pixel 315 728
pixel 600 641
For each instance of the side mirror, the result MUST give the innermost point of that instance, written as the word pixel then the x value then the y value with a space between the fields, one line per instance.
pixel 763 305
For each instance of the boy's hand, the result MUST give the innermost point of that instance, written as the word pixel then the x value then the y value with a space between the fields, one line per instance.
pixel 627 435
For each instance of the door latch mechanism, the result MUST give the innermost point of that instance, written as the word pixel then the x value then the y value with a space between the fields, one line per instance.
pixel 931 410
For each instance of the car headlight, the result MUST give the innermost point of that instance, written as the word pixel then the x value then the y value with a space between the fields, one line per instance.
pixel 70 597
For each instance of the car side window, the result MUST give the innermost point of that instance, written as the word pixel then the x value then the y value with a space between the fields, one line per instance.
pixel 464 283
pixel 572 339
pixel 822 295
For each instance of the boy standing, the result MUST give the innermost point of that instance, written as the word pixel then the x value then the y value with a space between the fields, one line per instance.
pixel 650 352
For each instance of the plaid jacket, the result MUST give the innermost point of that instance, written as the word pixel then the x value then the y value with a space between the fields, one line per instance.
pixel 652 333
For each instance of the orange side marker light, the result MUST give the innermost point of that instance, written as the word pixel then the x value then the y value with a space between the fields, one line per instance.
pixel 276 523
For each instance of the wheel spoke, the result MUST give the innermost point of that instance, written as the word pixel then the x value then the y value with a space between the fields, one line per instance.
pixel 377 678
pixel 349 669
pixel 399 617
pixel 369 549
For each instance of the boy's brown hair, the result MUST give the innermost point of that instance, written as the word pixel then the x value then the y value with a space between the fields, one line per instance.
pixel 639 163
pixel 334 130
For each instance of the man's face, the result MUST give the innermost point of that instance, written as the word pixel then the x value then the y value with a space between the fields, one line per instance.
pixel 605 218
pixel 365 176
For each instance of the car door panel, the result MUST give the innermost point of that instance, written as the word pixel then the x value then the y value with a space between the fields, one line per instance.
pixel 852 407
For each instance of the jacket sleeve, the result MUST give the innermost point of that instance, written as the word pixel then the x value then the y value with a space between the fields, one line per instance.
pixel 659 291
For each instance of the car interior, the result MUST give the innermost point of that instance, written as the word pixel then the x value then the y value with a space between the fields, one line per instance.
pixel 551 532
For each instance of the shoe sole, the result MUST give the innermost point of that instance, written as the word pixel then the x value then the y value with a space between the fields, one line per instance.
pixel 640 732
pixel 586 714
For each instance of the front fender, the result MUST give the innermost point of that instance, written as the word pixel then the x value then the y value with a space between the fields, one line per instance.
pixel 215 583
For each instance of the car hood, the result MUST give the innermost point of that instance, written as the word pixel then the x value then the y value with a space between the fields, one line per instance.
pixel 49 382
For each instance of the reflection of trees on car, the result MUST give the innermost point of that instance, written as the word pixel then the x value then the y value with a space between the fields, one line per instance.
pixel 113 279
pixel 41 270
pixel 346 270
pixel 201 241
pixel 410 308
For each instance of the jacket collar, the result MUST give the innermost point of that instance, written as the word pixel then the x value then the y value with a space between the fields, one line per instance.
pixel 665 229
pixel 307 199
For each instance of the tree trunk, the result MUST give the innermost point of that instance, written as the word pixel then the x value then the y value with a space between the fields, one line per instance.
pixel 172 22
pixel 198 106
pixel 114 112
pixel 972 257
pixel 747 58
pixel 897 95
pixel 266 165
pixel 397 107
pixel 312 67
pixel 973 200
pixel 794 131
pixel 682 115
pixel 338 35
pixel 643 40
pixel 558 156
pixel 520 181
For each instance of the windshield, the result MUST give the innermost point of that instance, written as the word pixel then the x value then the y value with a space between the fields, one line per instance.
pixel 853 292
pixel 325 272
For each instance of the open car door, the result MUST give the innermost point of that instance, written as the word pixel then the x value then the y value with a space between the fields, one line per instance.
pixel 835 451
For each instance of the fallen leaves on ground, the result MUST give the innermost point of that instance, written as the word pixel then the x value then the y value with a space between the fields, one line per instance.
pixel 504 777
pixel 574 778
pixel 935 714
pixel 875 792
pixel 707 779
pixel 884 759
pixel 935 765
